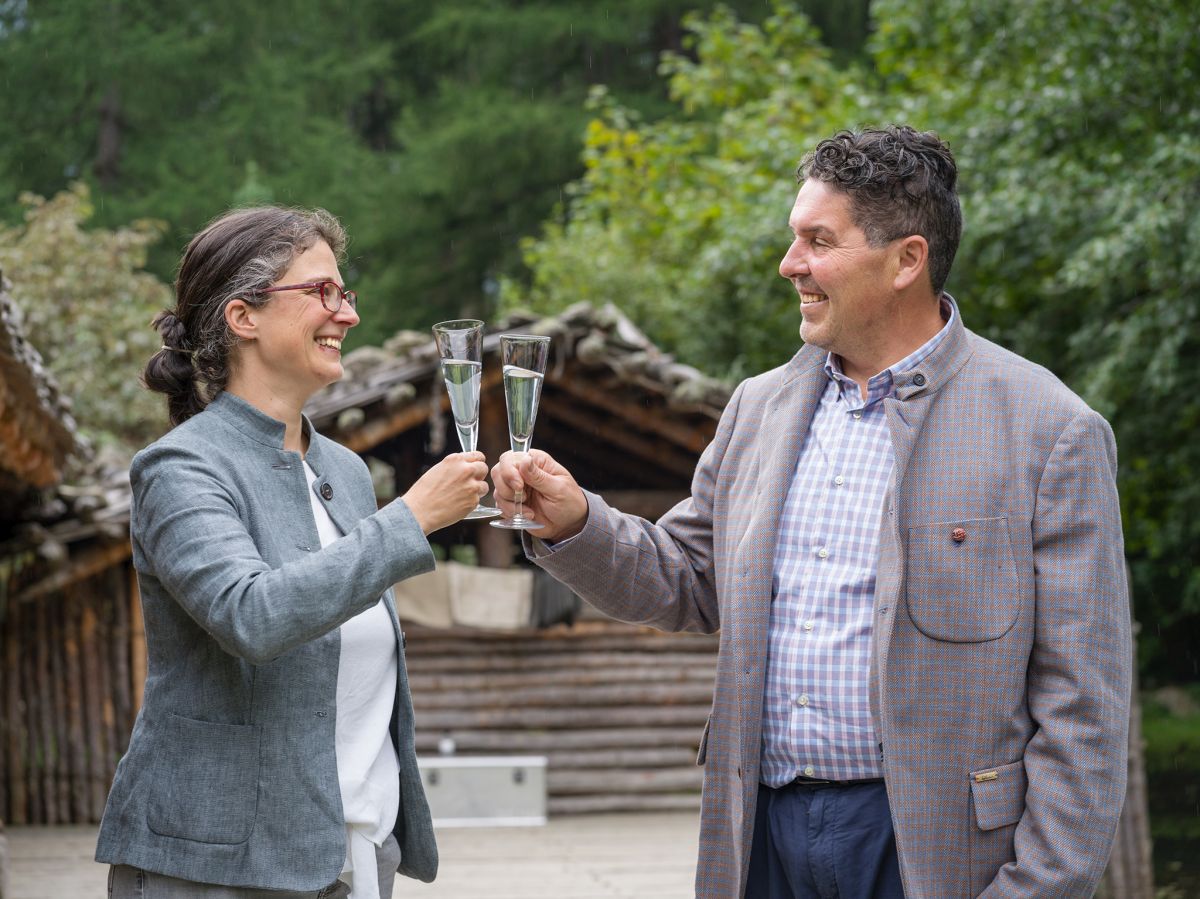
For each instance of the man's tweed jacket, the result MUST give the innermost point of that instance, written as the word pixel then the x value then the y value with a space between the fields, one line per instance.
pixel 1000 668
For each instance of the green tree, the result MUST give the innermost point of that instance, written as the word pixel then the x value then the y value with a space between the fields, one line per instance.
pixel 682 221
pixel 439 133
pixel 1078 138
pixel 1078 133
pixel 87 302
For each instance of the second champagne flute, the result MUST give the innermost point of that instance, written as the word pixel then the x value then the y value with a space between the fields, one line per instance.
pixel 524 357
pixel 460 344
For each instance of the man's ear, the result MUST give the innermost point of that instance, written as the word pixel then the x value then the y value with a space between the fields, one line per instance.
pixel 912 262
pixel 241 319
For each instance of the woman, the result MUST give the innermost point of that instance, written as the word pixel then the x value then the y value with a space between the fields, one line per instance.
pixel 274 747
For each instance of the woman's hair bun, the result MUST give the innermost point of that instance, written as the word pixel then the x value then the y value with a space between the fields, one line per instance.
pixel 174 334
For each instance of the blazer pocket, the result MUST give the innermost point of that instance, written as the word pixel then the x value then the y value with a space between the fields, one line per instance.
pixel 205 781
pixel 998 795
pixel 961 580
pixel 997 803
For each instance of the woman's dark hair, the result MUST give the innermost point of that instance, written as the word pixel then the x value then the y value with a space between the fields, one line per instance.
pixel 900 182
pixel 236 255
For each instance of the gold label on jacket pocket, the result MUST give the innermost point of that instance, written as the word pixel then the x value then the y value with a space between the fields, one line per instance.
pixel 986 776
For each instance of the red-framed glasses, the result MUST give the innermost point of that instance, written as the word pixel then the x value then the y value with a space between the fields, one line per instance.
pixel 331 293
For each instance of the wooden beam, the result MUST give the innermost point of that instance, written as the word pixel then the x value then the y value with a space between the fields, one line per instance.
pixel 622 780
pixel 615 396
pixel 376 430
pixel 653 450
pixel 622 802
pixel 88 563
pixel 523 740
pixel 593 463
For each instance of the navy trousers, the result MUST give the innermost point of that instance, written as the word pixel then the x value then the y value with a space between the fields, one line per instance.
pixel 826 842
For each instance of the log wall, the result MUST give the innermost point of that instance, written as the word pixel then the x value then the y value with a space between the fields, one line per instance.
pixel 68 698
pixel 617 710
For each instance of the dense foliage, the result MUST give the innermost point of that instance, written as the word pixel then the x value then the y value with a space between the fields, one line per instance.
pixel 442 133
pixel 86 301
pixel 1077 132
pixel 439 132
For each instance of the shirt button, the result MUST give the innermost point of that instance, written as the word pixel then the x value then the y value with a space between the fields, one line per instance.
pixel 839 480
pixel 802 700
pixel 823 553
pixel 809 770
pixel 808 625
pixel 857 416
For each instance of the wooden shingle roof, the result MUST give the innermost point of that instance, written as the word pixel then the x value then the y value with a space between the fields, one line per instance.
pixel 37 432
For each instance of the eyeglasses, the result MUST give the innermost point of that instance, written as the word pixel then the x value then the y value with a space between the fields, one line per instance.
pixel 331 293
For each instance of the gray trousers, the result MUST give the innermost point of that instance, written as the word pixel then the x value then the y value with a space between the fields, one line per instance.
pixel 125 882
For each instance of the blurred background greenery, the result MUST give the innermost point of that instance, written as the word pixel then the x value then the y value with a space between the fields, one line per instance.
pixel 493 154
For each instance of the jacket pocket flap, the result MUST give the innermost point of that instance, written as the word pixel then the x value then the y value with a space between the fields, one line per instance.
pixel 998 795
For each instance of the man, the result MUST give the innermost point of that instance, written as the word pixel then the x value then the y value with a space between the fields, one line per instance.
pixel 910 541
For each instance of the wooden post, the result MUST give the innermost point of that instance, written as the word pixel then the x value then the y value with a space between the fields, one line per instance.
pixel 45 710
pixel 496 547
pixel 33 730
pixel 58 677
pixel 14 750
pixel 74 711
pixel 104 601
pixel 119 651
pixel 93 707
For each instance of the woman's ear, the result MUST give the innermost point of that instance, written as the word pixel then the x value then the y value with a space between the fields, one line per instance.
pixel 241 319
pixel 912 262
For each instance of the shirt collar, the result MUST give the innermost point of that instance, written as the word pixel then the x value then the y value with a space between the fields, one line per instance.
pixel 883 384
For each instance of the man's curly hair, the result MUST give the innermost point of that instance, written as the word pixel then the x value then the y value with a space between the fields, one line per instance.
pixel 900 182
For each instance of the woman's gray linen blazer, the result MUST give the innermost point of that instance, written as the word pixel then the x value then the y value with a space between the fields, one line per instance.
pixel 231 776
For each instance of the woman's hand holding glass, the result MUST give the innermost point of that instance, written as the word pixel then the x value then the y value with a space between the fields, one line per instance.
pixel 448 491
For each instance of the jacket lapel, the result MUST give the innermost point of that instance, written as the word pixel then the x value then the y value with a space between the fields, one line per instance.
pixel 784 424
pixel 916 393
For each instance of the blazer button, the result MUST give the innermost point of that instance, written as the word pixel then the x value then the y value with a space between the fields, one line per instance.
pixel 326 491
pixel 958 535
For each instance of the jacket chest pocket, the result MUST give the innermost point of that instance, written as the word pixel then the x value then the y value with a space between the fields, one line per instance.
pixel 961 580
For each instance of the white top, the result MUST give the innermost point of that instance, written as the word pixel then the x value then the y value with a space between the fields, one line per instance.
pixel 368 769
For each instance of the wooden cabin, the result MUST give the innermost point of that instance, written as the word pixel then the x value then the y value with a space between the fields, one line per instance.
pixel 623 415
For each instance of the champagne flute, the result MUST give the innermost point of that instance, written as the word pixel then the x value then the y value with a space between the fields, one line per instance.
pixel 524 358
pixel 460 344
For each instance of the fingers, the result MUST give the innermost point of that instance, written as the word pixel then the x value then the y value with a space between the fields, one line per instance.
pixel 507 476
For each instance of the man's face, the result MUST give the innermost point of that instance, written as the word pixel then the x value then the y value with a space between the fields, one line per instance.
pixel 845 285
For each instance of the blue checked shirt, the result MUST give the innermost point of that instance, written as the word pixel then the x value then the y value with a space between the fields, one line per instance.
pixel 816 706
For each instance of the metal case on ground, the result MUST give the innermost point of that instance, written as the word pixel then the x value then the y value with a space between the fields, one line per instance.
pixel 485 791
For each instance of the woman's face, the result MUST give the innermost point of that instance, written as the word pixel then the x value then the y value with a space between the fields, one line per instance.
pixel 299 340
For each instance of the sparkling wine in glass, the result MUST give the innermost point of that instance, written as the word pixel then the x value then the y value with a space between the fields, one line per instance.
pixel 460 344
pixel 524 358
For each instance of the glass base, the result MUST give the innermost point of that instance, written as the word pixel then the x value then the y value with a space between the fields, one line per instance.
pixel 516 523
pixel 481 512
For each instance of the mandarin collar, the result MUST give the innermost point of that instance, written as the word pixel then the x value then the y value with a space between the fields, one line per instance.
pixel 260 427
